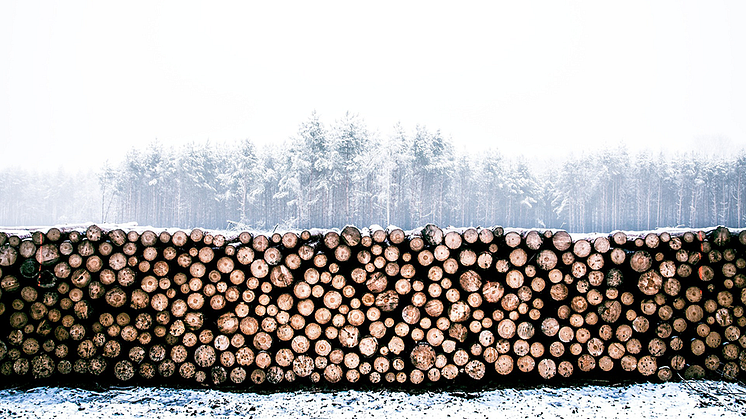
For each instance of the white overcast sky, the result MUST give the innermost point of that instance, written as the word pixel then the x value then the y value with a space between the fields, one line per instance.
pixel 81 82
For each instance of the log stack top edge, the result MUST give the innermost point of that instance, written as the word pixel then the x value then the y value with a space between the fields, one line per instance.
pixel 232 235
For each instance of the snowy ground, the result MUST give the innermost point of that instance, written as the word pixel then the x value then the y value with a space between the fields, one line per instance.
pixel 704 399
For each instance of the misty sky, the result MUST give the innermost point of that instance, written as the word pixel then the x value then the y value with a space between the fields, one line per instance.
pixel 83 81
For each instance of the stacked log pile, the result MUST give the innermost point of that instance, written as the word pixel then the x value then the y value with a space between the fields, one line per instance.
pixel 377 307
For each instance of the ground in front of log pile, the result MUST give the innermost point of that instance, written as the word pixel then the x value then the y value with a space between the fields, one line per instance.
pixel 699 400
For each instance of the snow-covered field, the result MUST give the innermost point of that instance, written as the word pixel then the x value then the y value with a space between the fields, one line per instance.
pixel 703 399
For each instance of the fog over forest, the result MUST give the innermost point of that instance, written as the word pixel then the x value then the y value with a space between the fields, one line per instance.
pixel 334 173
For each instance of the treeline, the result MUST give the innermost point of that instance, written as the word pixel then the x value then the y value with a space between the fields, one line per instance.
pixel 42 198
pixel 346 173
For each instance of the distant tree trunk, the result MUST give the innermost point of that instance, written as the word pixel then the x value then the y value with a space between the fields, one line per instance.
pixel 658 205
pixel 739 200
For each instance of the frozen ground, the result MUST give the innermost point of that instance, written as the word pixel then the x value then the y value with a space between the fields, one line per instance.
pixel 699 400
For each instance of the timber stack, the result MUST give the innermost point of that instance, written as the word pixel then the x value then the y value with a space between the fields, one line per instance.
pixel 381 307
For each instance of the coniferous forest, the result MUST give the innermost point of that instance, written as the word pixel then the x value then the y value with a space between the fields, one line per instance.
pixel 344 172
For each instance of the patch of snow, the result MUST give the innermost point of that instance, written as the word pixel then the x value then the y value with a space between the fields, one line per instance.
pixel 700 400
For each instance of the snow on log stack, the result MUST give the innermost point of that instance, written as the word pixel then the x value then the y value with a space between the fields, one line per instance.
pixel 377 307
